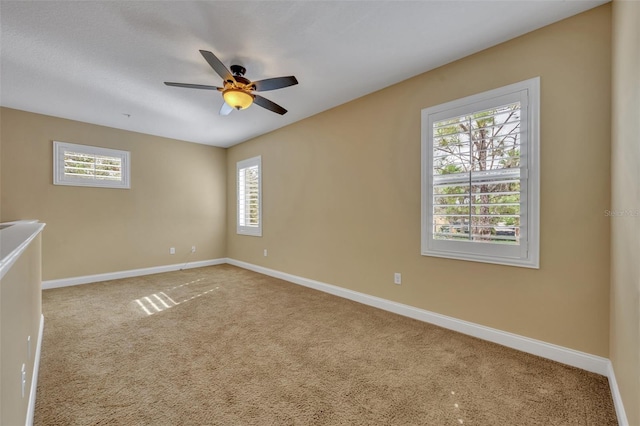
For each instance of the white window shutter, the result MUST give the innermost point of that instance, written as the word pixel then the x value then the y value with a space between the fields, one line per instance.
pixel 83 165
pixel 249 196
pixel 480 182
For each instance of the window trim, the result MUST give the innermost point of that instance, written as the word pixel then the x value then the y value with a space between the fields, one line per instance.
pixel 529 254
pixel 60 178
pixel 255 231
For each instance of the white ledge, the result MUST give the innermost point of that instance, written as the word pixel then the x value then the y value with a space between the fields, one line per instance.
pixel 15 237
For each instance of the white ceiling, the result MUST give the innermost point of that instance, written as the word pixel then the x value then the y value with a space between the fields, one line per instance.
pixel 100 61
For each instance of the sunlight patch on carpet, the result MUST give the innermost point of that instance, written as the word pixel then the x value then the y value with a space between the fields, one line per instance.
pixel 159 302
pixel 456 409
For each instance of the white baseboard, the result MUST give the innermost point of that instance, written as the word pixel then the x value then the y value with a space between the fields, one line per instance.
pixel 31 407
pixel 88 279
pixel 617 398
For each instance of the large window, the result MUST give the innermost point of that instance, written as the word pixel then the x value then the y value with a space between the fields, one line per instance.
pixel 82 165
pixel 480 183
pixel 249 173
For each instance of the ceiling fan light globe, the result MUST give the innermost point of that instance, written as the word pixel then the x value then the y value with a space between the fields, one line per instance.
pixel 237 99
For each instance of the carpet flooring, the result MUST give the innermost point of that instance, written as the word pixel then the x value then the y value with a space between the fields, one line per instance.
pixel 225 346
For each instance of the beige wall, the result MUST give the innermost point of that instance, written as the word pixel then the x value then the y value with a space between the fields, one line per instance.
pixel 21 309
pixel 177 198
pixel 341 192
pixel 625 198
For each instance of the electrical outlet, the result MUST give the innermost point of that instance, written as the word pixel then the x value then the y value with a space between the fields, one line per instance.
pixel 172 250
pixel 193 249
pixel 265 252
pixel 397 278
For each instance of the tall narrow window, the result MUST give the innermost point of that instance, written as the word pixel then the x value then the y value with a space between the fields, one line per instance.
pixel 82 165
pixel 249 174
pixel 480 177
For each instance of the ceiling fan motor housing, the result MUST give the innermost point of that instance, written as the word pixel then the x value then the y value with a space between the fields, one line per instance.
pixel 238 70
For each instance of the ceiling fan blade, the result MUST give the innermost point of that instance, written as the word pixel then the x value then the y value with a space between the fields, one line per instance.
pixel 274 83
pixel 217 66
pixel 192 86
pixel 226 109
pixel 267 104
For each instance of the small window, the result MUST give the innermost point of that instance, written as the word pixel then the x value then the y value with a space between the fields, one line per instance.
pixel 480 177
pixel 82 165
pixel 249 174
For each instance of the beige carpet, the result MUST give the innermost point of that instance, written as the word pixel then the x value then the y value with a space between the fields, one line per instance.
pixel 225 346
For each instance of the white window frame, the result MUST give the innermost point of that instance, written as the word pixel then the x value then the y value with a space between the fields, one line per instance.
pixel 527 254
pixel 242 228
pixel 60 178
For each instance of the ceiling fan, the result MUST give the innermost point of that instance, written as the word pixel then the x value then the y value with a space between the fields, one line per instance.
pixel 237 90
